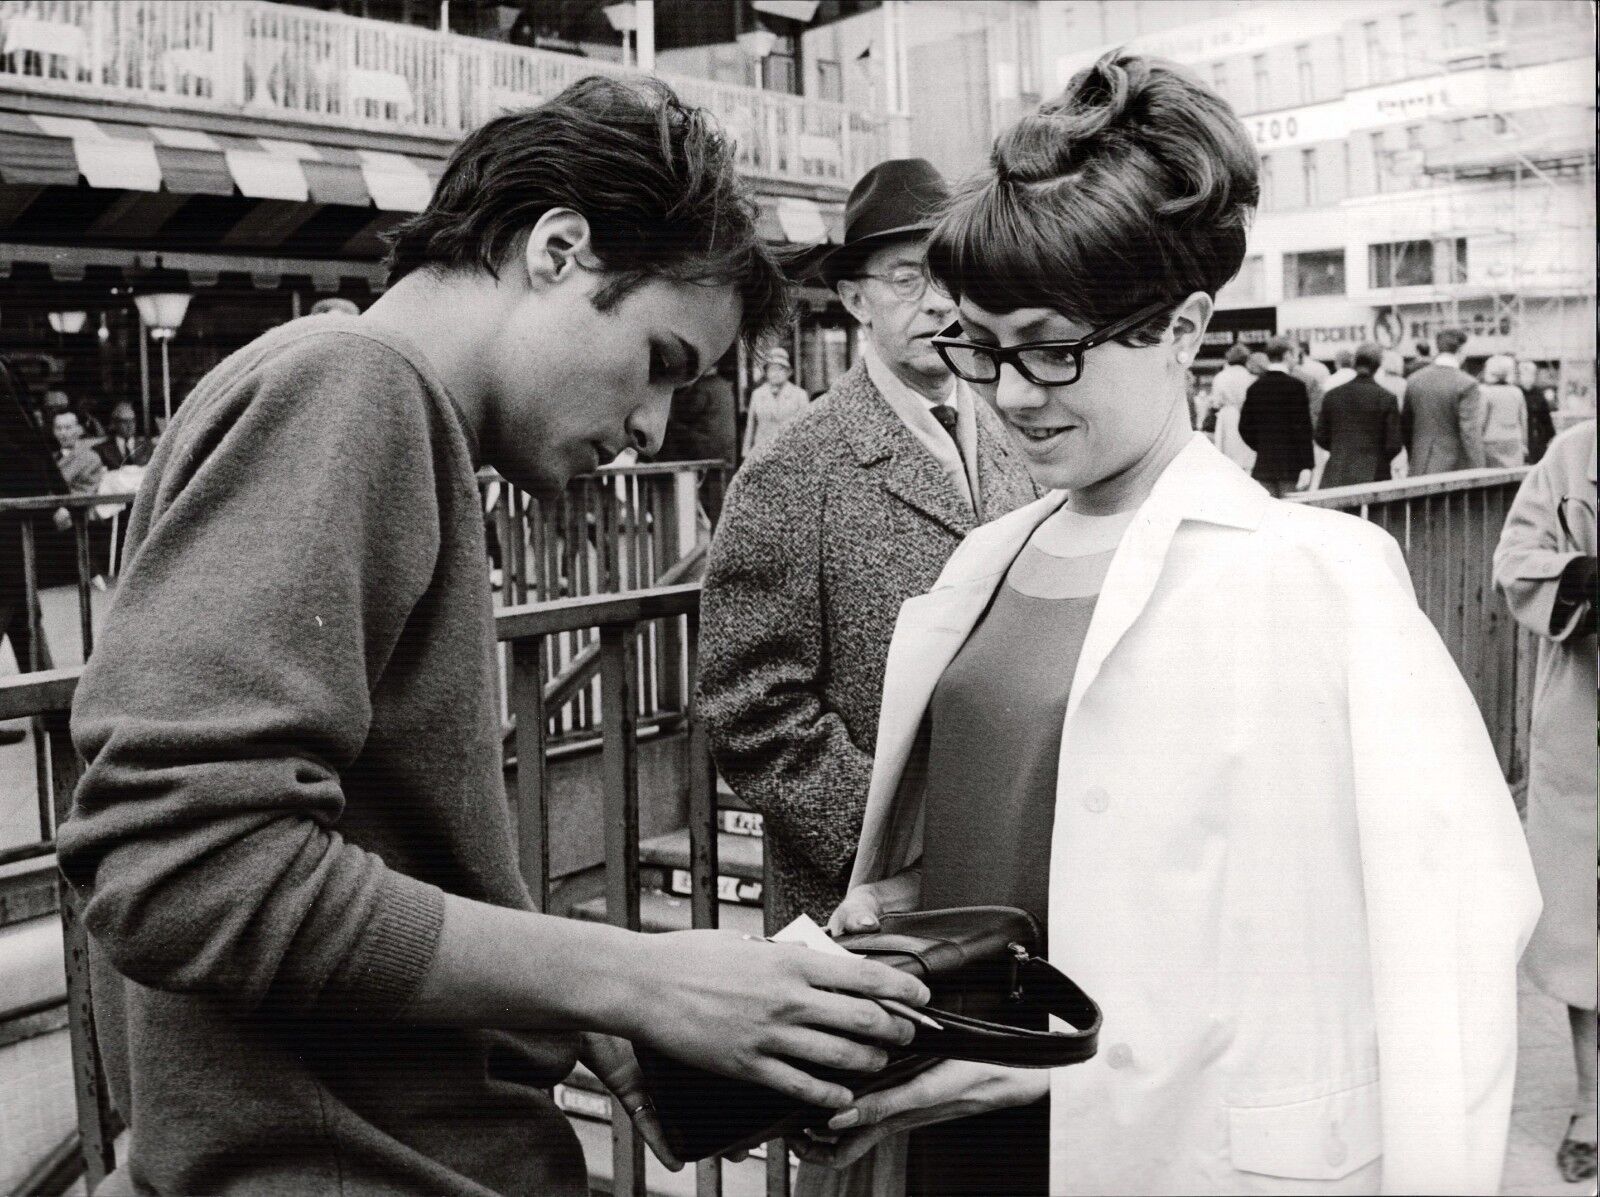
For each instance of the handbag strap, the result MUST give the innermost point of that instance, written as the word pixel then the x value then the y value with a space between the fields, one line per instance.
pixel 1049 990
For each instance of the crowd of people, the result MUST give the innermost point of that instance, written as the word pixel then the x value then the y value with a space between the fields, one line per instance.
pixel 1377 416
pixel 957 644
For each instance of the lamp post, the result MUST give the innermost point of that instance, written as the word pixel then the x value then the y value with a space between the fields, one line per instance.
pixel 624 19
pixel 162 312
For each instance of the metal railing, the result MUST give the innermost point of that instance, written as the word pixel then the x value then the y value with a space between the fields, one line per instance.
pixel 1448 526
pixel 248 58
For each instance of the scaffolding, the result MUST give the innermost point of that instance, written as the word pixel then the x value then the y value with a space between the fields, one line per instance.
pixel 1511 182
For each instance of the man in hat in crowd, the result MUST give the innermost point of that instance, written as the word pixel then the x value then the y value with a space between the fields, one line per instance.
pixel 825 534
pixel 775 404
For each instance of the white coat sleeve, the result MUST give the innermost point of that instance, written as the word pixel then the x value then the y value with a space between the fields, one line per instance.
pixel 1449 887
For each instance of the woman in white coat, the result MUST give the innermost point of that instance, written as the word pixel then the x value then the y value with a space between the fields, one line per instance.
pixel 1206 734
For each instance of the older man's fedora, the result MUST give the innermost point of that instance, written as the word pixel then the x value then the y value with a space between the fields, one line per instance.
pixel 898 198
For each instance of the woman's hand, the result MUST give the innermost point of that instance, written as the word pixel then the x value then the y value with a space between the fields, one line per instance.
pixel 612 1060
pixel 865 904
pixel 951 1089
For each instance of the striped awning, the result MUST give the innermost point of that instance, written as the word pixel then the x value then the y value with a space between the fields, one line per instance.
pixel 58 151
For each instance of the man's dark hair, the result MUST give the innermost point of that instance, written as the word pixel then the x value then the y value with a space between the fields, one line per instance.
pixel 1368 359
pixel 1238 354
pixel 1450 340
pixel 653 176
pixel 1279 348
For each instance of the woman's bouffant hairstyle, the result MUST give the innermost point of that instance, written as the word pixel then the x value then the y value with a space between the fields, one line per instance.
pixel 654 177
pixel 1136 184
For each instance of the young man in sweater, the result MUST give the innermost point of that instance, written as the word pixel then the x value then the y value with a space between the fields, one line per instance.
pixel 318 969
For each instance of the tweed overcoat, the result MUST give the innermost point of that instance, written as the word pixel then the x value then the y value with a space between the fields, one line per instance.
pixel 824 534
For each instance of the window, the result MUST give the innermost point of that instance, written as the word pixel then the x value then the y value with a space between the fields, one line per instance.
pixel 1317 272
pixel 1411 62
pixel 1401 264
pixel 1451 260
pixel 1219 78
pixel 1308 175
pixel 1304 73
pixel 830 82
pixel 1380 161
pixel 1413 137
pixel 1269 191
pixel 1258 68
pixel 1374 44
pixel 780 69
pixel 1247 287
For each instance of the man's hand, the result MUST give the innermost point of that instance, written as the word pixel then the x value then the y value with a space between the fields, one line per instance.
pixel 951 1089
pixel 612 1060
pixel 762 1011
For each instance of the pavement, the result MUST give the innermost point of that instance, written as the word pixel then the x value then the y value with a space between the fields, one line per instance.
pixel 1546 1076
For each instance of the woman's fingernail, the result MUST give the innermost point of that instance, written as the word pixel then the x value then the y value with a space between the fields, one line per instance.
pixel 842 1120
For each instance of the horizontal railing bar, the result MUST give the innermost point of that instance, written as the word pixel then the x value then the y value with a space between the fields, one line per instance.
pixel 596 611
pixel 46 692
pixel 70 502
pixel 36 851
pixel 1397 489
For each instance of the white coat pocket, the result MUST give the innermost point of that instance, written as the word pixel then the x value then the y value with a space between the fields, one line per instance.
pixel 1323 1138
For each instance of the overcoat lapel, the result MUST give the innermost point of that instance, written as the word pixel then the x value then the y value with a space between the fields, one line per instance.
pixel 884 446
pixel 1002 480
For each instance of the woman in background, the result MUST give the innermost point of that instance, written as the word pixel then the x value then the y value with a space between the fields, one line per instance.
pixel 1505 414
pixel 1545 566
pixel 1177 720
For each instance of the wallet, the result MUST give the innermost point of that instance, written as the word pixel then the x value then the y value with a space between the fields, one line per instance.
pixel 992 994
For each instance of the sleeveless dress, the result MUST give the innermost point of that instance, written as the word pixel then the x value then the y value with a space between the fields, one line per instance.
pixel 997 715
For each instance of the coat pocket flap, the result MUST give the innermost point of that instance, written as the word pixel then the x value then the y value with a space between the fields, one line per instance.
pixel 1323 1138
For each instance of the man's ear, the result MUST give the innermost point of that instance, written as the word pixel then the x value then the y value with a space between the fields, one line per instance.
pixel 854 302
pixel 558 245
pixel 1189 327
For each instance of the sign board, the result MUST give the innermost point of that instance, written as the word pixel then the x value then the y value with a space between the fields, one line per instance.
pixel 1250 326
pixel 1329 325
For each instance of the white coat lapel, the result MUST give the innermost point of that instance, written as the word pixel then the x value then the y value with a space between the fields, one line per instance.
pixel 1200 484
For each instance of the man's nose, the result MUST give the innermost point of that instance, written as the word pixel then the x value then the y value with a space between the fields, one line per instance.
pixel 647 426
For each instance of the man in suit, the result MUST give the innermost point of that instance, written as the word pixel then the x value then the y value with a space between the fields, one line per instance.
pixel 124 446
pixel 1359 425
pixel 853 510
pixel 1276 422
pixel 1441 421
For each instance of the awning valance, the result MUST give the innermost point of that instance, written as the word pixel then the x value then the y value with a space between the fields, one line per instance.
pixel 57 151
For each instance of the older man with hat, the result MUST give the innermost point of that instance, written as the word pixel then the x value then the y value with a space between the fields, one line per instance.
pixel 775 404
pixel 825 533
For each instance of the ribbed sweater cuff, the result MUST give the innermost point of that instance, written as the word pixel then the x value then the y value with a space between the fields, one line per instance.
pixel 398 947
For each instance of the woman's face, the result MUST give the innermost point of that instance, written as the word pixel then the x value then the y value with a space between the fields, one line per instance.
pixel 1126 404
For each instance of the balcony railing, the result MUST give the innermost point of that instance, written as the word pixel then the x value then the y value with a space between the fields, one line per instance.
pixel 244 58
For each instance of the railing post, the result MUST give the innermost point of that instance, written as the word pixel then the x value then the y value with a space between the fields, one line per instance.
pixel 96 1121
pixel 80 536
pixel 531 811
pixel 620 760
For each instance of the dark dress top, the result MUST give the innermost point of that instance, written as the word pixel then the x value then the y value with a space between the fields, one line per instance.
pixel 997 716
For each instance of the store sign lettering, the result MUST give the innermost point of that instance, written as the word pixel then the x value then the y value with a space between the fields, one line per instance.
pixel 1270 131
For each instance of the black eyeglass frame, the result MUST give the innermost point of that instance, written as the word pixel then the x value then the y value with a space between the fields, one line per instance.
pixel 999 356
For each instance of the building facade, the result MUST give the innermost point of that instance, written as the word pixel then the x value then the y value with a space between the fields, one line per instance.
pixel 1425 163
pixel 251 155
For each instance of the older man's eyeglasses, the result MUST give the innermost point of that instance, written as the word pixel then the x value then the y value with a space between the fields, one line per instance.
pixel 1043 363
pixel 907 282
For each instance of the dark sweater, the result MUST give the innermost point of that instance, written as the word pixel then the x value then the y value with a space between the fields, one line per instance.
pixel 1275 421
pixel 293 750
pixel 1359 426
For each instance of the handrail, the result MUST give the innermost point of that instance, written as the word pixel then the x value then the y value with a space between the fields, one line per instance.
pixel 596 611
pixel 70 502
pixel 1397 489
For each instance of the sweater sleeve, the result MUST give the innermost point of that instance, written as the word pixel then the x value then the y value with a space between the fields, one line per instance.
pixel 761 668
pixel 292 526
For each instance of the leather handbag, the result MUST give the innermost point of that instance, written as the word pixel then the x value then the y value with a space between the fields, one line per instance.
pixel 992 994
